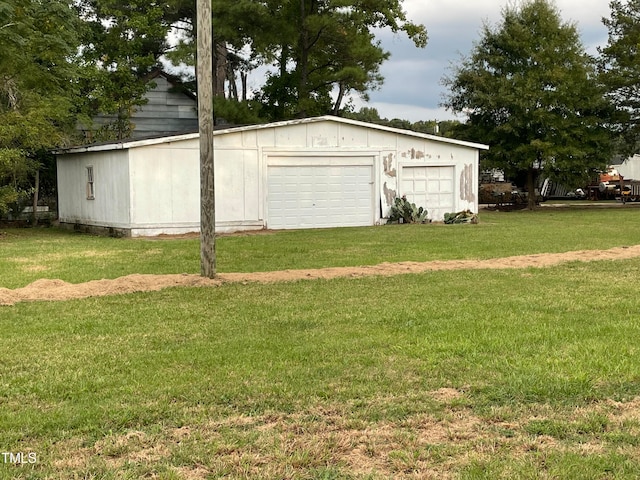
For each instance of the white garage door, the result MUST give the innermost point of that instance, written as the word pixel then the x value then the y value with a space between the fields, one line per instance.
pixel 316 196
pixel 431 188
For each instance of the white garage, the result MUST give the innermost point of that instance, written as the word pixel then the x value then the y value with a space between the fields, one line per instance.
pixel 311 173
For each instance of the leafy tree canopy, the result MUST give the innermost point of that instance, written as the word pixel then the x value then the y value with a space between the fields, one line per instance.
pixel 322 45
pixel 620 64
pixel 321 49
pixel 445 128
pixel 531 92
pixel 37 87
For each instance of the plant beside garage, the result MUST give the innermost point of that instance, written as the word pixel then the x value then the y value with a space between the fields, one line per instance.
pixel 403 211
pixel 465 216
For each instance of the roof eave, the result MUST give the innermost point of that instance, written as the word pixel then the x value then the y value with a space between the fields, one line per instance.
pixel 132 143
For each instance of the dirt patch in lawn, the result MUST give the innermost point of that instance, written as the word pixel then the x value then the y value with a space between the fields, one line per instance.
pixel 297 444
pixel 46 289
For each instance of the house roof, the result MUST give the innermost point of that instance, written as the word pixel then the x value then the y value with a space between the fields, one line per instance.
pixel 132 143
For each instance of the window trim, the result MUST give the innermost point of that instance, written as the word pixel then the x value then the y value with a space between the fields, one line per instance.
pixel 90 181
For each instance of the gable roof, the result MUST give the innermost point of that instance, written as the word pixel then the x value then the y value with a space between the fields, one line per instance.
pixel 175 81
pixel 132 143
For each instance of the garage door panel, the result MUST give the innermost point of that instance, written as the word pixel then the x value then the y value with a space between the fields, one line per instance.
pixel 319 195
pixel 420 186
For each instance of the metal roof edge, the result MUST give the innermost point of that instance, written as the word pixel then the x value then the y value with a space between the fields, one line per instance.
pixel 123 145
pixel 428 136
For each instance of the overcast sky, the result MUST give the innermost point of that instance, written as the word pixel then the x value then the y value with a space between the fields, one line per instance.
pixel 412 88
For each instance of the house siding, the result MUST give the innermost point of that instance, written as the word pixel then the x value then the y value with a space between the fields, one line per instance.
pixel 165 113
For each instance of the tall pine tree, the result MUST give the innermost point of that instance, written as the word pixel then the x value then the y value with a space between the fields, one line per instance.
pixel 322 46
pixel 318 48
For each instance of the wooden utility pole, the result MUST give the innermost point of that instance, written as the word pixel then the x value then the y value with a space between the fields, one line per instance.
pixel 205 126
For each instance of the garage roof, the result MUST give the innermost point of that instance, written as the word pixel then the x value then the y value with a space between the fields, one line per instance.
pixel 125 144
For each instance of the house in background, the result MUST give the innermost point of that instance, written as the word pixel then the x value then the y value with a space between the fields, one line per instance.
pixel 310 173
pixel 629 167
pixel 171 109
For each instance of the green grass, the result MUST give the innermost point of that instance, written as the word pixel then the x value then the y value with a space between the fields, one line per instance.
pixel 26 255
pixel 531 373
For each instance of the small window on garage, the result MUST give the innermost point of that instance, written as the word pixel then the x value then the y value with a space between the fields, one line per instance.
pixel 90 190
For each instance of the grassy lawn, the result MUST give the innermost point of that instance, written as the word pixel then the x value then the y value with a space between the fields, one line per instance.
pixel 26 255
pixel 531 373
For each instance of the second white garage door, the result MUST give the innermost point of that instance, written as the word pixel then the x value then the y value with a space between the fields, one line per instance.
pixel 430 187
pixel 318 196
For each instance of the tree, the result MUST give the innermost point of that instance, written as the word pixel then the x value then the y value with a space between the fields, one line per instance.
pixel 122 43
pixel 322 46
pixel 366 114
pixel 38 80
pixel 620 66
pixel 237 26
pixel 532 93
pixel 445 128
pixel 321 49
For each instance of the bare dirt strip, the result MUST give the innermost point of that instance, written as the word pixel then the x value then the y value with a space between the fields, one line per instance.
pixel 51 290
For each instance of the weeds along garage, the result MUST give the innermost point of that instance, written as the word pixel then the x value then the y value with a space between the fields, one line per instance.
pixel 310 173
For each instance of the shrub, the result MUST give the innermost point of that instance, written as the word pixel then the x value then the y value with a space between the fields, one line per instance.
pixel 466 216
pixel 403 211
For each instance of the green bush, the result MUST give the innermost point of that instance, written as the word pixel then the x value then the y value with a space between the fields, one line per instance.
pixel 403 211
pixel 466 216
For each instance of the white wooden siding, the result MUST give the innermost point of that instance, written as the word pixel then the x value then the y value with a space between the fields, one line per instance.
pixel 110 206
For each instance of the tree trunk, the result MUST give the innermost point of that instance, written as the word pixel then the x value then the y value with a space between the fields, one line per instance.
pixel 531 188
pixel 34 216
pixel 281 106
pixel 219 68
pixel 243 77
pixel 231 78
pixel 120 123
pixel 336 106
pixel 303 63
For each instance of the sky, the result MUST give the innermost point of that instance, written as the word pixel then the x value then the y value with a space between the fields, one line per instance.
pixel 412 89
